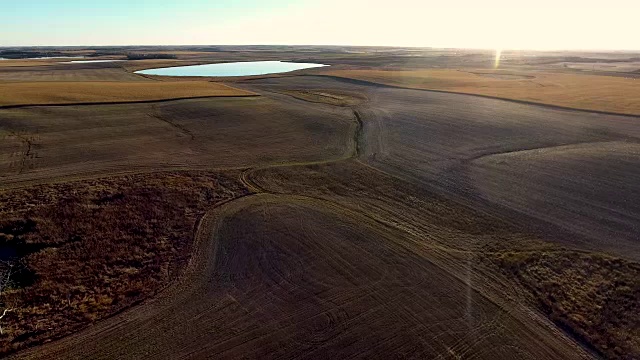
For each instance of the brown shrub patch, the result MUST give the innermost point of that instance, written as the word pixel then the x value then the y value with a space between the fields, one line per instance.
pixel 93 248
pixel 595 297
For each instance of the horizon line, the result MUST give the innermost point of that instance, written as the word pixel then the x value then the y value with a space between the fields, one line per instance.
pixel 335 45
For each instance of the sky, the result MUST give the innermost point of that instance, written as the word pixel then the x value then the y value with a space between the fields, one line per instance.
pixel 490 24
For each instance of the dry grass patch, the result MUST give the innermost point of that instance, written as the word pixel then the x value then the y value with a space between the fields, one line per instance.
pixel 593 296
pixel 588 92
pixel 47 93
pixel 25 62
pixel 93 248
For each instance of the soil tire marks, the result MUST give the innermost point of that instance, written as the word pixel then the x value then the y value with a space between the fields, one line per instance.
pixel 156 115
pixel 345 291
pixel 28 153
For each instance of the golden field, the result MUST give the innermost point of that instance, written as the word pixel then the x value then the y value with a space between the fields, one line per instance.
pixel 44 93
pixel 587 92
pixel 28 62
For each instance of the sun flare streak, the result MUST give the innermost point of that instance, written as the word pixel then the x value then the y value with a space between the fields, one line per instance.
pixel 497 61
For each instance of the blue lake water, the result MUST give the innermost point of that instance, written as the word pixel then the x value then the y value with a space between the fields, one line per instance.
pixel 248 68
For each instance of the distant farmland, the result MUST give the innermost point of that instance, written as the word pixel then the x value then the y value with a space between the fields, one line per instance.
pixel 588 92
pixel 46 93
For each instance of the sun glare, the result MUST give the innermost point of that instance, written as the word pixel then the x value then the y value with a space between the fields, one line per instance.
pixel 496 63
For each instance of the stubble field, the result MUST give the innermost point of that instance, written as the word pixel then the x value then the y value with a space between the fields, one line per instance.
pixel 588 92
pixel 49 142
pixel 60 93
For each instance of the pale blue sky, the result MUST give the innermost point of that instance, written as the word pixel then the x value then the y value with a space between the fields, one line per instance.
pixel 540 24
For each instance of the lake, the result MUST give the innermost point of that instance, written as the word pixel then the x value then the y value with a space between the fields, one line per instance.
pixel 248 68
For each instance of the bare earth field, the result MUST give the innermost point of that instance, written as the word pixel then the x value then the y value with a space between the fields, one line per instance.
pixel 327 215
pixel 424 137
pixel 588 294
pixel 47 142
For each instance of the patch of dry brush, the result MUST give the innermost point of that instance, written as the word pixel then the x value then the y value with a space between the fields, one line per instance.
pixel 593 296
pixel 94 248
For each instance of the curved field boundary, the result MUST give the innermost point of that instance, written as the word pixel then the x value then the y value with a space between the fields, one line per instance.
pixel 2 107
pixel 184 316
pixel 109 330
pixel 524 102
pixel 101 92
pixel 204 249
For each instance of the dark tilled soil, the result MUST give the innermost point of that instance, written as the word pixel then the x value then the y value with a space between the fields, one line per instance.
pixel 410 224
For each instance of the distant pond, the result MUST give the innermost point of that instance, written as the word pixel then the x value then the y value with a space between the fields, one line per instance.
pixel 248 68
